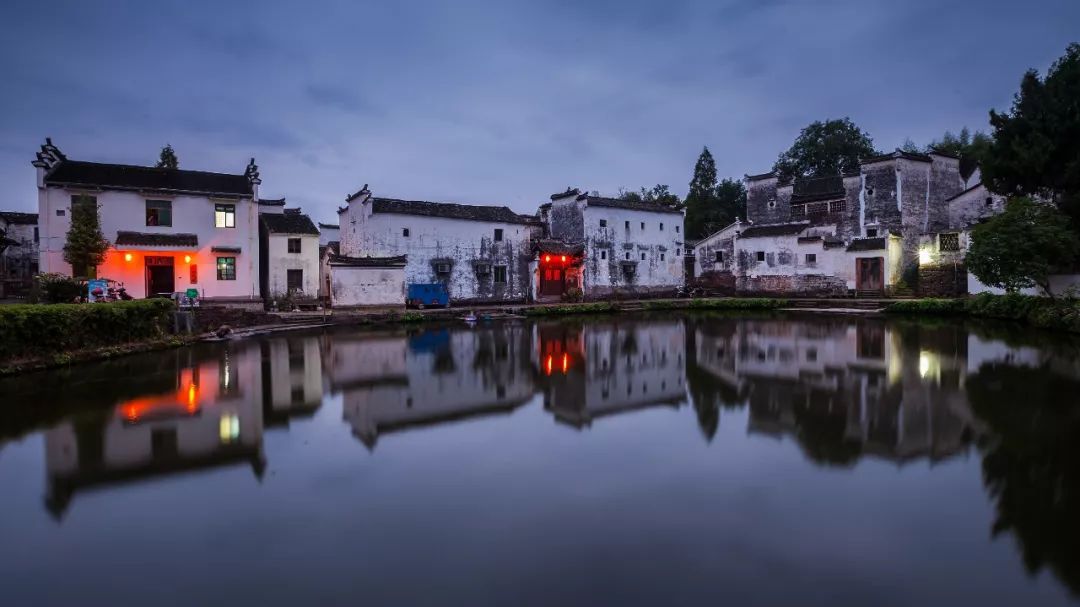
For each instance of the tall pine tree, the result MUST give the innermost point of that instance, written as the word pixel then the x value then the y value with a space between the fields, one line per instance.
pixel 86 245
pixel 701 196
pixel 168 159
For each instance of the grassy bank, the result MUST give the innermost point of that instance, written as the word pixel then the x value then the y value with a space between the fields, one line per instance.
pixel 658 304
pixel 1041 312
pixel 38 335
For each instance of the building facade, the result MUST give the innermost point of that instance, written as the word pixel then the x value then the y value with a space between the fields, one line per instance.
pixel 169 229
pixel 289 250
pixel 480 253
pixel 19 236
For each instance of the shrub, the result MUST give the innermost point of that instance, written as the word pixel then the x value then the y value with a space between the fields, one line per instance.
pixel 32 330
pixel 56 288
pixel 573 295
pixel 1043 312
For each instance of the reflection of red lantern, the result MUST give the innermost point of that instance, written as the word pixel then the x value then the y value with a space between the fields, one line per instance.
pixel 565 362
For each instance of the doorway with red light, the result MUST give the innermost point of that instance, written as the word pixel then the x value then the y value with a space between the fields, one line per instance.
pixel 556 275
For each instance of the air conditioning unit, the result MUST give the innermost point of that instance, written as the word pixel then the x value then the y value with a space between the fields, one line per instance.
pixel 442 268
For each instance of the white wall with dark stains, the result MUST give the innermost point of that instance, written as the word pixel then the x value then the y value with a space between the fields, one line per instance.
pixel 364 286
pixel 650 242
pixel 280 261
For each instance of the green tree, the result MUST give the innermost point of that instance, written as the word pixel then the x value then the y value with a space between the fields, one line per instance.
pixel 825 148
pixel 660 194
pixel 969 148
pixel 711 205
pixel 168 159
pixel 1035 149
pixel 86 245
pixel 1022 246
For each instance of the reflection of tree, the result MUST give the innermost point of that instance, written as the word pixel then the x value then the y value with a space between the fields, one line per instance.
pixel 821 433
pixel 1032 469
pixel 707 392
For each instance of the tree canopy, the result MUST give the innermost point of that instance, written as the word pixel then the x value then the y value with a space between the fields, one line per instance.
pixel 832 147
pixel 711 205
pixel 86 246
pixel 969 148
pixel 659 194
pixel 1036 146
pixel 168 159
pixel 1022 246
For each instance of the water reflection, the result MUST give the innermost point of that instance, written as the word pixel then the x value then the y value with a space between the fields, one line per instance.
pixel 844 391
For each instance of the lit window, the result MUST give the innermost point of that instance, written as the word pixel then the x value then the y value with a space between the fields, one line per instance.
pixel 226 268
pixel 225 215
pixel 229 428
pixel 159 212
pixel 294 245
pixel 500 274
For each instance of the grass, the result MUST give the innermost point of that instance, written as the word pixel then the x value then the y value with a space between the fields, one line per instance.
pixel 1041 312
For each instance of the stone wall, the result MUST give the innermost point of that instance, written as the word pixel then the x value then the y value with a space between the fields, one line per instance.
pixel 792 285
pixel 762 201
pixel 946 280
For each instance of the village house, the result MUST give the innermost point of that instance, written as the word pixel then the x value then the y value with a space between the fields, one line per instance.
pixel 859 232
pixel 18 251
pixel 289 251
pixel 607 247
pixel 479 253
pixel 169 229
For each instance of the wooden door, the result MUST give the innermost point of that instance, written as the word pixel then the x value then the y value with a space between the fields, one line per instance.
pixel 870 274
pixel 551 281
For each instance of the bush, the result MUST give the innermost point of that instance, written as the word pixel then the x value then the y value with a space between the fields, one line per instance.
pixel 56 288
pixel 34 330
pixel 573 295
pixel 1043 312
pixel 589 308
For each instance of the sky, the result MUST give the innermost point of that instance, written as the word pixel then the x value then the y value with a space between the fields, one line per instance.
pixel 500 102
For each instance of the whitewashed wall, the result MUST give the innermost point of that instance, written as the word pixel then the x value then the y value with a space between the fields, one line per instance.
pixel 359 286
pixel 660 242
pixel 280 260
pixel 126 211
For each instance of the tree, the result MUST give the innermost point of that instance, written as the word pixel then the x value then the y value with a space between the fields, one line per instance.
pixel 970 149
pixel 1022 246
pixel 168 159
pixel 660 194
pixel 1035 149
pixel 823 149
pixel 711 205
pixel 86 245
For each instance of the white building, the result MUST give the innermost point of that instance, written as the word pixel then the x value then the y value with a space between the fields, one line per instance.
pixel 328 233
pixel 170 229
pixel 289 250
pixel 607 246
pixel 480 253
pixel 362 281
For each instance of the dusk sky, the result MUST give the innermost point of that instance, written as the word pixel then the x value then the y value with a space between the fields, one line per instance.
pixel 496 102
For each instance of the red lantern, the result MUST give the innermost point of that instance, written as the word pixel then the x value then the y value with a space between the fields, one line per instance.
pixel 564 258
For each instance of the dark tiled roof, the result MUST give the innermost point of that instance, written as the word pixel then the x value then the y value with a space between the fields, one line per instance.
pixel 971 189
pixel 449 210
pixel 937 152
pixel 226 249
pixel 897 154
pixel 817 188
pixel 568 192
pixel 288 223
pixel 867 244
pixel 143 239
pixel 329 226
pixel 833 242
pixel 618 203
pixel 129 177
pixel 13 217
pixel 807 239
pixel 760 177
pixel 558 247
pixel 272 202
pixel 774 229
pixel 368 262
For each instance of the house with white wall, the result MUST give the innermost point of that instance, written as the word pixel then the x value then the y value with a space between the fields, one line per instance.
pixel 480 253
pixel 19 237
pixel 169 229
pixel 289 253
pixel 608 247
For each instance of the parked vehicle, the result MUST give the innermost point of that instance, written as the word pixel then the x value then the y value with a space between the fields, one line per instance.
pixel 423 295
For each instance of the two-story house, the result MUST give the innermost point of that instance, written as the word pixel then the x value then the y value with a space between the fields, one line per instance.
pixel 169 229
pixel 289 251
pixel 18 251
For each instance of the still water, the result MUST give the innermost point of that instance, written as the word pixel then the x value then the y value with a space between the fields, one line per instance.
pixel 662 461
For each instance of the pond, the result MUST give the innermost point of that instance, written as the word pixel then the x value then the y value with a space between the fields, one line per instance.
pixel 607 460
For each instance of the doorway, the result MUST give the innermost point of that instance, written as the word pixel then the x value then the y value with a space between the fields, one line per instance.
pixel 870 274
pixel 159 275
pixel 551 281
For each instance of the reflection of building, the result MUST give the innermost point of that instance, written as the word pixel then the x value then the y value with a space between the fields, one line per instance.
pixel 395 382
pixel 598 369
pixel 292 378
pixel 846 390
pixel 206 414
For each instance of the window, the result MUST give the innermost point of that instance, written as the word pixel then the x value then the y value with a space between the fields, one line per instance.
pixel 628 225
pixel 193 270
pixel 60 212
pixel 838 206
pixel 676 229
pixel 798 210
pixel 294 245
pixel 643 225
pixel 661 226
pixel 226 268
pixel 628 256
pixel 603 254
pixel 294 280
pixel 500 274
pixel 989 202
pixel 719 257
pixel 81 199
pixel 483 269
pixel 404 232
pixel 603 223
pixel 949 242
pixel 869 191
pixel 36 237
pixel 761 255
pixel 159 212
pixel 661 257
pixel 772 203
pixel 642 257
pixel 225 216
pixel 811 259
pixel 498 234
pixel 871 232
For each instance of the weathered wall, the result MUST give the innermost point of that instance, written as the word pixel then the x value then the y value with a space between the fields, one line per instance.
pixel 945 182
pixel 705 251
pixel 763 204
pixel 280 260
pixel 358 286
pixel 654 251
pixel 815 285
pixel 329 233
pixel 879 193
pixel 20 260
pixel 945 280
pixel 566 220
pixel 432 240
pixel 127 211
pixel 973 206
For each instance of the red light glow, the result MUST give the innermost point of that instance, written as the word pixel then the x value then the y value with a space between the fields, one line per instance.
pixel 547 258
pixel 564 258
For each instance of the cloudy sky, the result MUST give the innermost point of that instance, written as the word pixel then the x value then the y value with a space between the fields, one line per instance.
pixel 499 102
